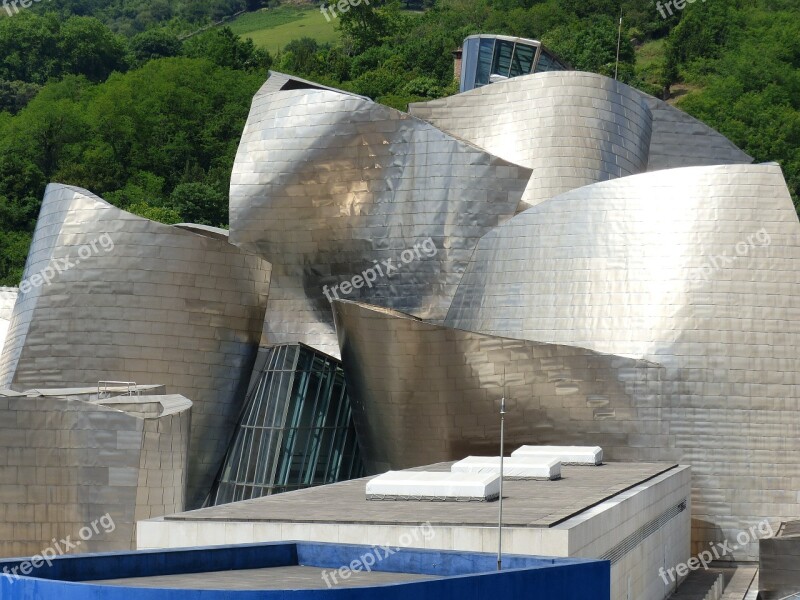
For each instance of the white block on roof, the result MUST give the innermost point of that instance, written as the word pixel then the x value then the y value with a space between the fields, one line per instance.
pixel 569 455
pixel 434 485
pixel 514 467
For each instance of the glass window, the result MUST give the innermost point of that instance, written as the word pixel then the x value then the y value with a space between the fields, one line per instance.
pixel 502 57
pixel 548 63
pixel 484 62
pixel 296 428
pixel 522 62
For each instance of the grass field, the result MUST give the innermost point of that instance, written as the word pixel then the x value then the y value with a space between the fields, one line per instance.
pixel 274 28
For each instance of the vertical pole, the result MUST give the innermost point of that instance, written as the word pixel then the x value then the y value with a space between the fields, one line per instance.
pixel 500 515
pixel 619 39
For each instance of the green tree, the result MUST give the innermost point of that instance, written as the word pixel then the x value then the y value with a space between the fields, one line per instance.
pixel 88 48
pixel 29 48
pixel 13 252
pixel 222 47
pixel 168 216
pixel 200 203
pixel 154 43
pixel 591 45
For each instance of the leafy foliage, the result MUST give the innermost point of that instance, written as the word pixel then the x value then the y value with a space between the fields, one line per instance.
pixel 113 96
pixel 746 66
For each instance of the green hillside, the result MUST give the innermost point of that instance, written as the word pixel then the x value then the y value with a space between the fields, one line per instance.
pixel 111 95
pixel 274 28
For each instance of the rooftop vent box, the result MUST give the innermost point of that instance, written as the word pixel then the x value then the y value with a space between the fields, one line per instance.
pixel 437 486
pixel 568 455
pixel 514 467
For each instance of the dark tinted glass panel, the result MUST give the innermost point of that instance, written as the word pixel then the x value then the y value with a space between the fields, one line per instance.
pixel 296 428
pixel 548 63
pixel 522 62
pixel 502 57
pixel 484 62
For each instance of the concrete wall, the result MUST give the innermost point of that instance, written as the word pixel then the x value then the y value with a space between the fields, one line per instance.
pixel 643 530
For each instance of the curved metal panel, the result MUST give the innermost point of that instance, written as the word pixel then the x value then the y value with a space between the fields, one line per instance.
pixel 679 140
pixel 425 393
pixel 8 297
pixel 329 186
pixel 70 465
pixel 696 269
pixel 571 128
pixel 132 300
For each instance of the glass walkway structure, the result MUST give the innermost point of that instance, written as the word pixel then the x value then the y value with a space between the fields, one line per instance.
pixel 296 428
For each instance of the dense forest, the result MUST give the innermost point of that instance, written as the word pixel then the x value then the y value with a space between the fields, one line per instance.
pixel 115 96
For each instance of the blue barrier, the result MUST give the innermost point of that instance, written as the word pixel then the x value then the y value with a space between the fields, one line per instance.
pixel 459 575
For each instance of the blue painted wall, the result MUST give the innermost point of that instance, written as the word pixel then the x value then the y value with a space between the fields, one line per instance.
pixel 463 575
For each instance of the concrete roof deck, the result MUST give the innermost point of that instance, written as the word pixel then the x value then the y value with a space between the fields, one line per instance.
pixel 273 578
pixel 526 503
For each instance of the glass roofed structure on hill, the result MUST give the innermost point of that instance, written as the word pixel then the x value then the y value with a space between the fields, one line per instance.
pixel 491 58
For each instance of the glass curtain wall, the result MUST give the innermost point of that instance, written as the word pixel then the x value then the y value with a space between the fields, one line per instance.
pixel 296 429
pixel 485 56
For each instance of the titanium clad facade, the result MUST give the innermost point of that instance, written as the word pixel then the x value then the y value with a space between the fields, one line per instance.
pixel 425 393
pixel 696 269
pixel 571 128
pixel 8 297
pixel 296 429
pixel 577 128
pixel 66 463
pixel 679 140
pixel 138 301
pixel 329 186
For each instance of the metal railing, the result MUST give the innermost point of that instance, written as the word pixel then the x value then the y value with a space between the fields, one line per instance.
pixel 105 388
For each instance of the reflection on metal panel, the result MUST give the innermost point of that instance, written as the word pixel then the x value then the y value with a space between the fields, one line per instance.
pixel 332 188
pixel 679 140
pixel 296 430
pixel 128 299
pixel 67 463
pixel 577 128
pixel 571 128
pixel 695 269
pixel 8 297
pixel 424 393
